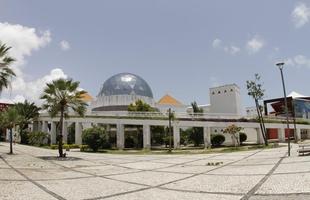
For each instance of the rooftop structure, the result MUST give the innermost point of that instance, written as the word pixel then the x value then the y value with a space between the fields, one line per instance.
pixel 120 90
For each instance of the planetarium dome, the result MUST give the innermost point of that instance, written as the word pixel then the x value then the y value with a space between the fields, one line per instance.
pixel 120 90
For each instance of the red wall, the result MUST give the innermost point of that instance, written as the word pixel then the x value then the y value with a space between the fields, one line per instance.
pixel 272 133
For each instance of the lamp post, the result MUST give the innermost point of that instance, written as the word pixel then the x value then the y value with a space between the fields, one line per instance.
pixel 281 65
pixel 170 118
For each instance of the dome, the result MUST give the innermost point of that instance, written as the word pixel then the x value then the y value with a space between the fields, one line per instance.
pixel 125 84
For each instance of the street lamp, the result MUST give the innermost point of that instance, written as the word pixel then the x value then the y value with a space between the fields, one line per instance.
pixel 170 118
pixel 281 65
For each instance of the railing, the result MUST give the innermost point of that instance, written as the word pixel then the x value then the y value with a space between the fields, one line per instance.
pixel 186 116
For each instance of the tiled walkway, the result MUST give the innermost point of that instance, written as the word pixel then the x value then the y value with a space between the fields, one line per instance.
pixel 259 174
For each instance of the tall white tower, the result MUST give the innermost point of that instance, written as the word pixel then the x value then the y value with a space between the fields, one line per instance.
pixel 225 100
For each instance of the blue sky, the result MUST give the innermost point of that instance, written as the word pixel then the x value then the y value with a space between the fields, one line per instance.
pixel 179 47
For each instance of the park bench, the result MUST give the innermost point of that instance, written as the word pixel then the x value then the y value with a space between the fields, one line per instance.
pixel 304 148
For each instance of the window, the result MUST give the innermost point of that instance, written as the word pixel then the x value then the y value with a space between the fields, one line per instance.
pixel 225 91
pixel 231 90
pixel 213 92
pixel 219 92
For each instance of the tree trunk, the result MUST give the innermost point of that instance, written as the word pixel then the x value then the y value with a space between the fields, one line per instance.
pixel 60 136
pixel 262 127
pixel 11 141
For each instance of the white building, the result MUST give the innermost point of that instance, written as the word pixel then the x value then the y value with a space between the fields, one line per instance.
pixel 225 99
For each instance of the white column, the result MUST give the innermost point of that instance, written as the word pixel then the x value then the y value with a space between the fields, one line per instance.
pixel 45 127
pixel 207 137
pixel 281 134
pixel 35 126
pixel 176 137
pixel 298 134
pixel 65 132
pixel 260 139
pixel 146 137
pixel 53 132
pixel 107 131
pixel 40 126
pixel 120 136
pixel 78 132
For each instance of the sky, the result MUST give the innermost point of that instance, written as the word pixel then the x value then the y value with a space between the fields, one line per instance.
pixel 180 47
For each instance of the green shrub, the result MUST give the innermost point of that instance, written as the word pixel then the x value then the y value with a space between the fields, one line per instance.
pixel 83 147
pixel 37 138
pixel 131 141
pixel 196 136
pixel 74 146
pixel 167 140
pixel 217 139
pixel 243 137
pixel 94 137
pixel 54 146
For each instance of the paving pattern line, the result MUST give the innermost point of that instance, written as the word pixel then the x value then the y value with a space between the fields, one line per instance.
pixel 33 182
pixel 160 186
pixel 147 187
pixel 262 181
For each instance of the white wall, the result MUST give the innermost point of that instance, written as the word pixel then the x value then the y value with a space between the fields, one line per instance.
pixel 225 99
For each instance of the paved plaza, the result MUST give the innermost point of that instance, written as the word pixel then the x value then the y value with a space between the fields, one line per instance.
pixel 257 174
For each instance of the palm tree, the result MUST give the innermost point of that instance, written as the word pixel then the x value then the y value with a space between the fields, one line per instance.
pixel 28 112
pixel 6 73
pixel 60 96
pixel 9 119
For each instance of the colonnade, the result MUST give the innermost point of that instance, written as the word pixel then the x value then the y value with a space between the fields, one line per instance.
pixel 50 127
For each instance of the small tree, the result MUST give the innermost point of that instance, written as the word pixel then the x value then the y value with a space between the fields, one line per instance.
pixel 9 119
pixel 140 106
pixel 234 131
pixel 137 106
pixel 94 137
pixel 37 138
pixel 196 135
pixel 28 112
pixel 256 91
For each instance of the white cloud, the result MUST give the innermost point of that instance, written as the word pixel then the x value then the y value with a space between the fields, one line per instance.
pixel 300 15
pixel 64 45
pixel 24 40
pixel 35 88
pixel 298 61
pixel 231 49
pixel 217 43
pixel 255 44
pixel 32 90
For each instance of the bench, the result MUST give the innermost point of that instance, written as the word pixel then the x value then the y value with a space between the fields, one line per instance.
pixel 304 148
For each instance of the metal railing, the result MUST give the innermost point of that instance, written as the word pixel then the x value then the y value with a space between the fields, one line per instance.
pixel 183 115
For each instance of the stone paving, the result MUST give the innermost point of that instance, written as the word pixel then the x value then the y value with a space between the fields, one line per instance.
pixel 255 175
